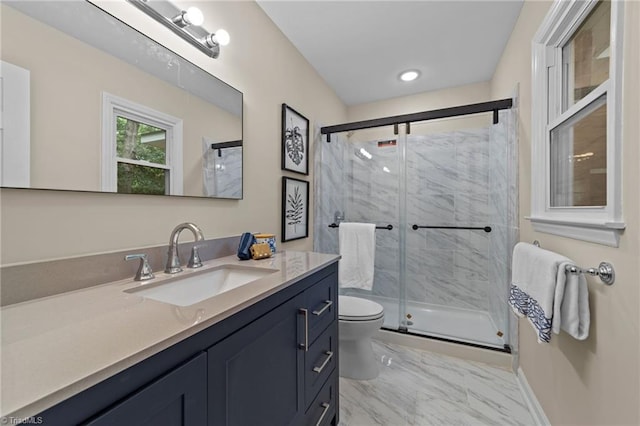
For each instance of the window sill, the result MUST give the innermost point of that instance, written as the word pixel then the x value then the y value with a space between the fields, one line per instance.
pixel 606 233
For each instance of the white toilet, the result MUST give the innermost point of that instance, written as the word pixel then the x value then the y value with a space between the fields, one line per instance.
pixel 358 320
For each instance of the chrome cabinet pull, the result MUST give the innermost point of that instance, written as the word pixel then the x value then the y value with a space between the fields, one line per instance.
pixel 318 369
pixel 305 345
pixel 326 406
pixel 327 303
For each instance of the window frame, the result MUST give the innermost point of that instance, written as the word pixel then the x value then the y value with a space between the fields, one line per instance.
pixel 114 106
pixel 604 224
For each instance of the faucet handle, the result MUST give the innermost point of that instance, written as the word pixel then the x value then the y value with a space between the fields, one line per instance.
pixel 194 260
pixel 144 270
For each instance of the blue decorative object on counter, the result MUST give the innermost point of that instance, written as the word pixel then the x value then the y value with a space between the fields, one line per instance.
pixel 246 241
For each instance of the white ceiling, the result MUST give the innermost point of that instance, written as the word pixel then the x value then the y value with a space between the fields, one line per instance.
pixel 360 47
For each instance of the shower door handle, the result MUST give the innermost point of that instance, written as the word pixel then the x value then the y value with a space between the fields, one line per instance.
pixel 319 312
pixel 415 227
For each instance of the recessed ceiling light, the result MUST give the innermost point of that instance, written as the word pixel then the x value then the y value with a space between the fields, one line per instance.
pixel 409 75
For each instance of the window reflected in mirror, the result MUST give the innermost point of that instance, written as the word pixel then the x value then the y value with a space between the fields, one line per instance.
pixel 141 158
pixel 579 159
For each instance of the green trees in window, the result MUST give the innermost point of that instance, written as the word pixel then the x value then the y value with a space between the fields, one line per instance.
pixel 142 143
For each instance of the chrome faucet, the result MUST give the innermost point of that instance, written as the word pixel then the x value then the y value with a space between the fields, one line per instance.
pixel 173 259
pixel 144 270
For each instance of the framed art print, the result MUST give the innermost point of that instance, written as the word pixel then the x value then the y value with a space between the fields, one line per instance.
pixel 295 209
pixel 295 141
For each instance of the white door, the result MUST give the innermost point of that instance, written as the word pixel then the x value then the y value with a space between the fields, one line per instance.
pixel 15 138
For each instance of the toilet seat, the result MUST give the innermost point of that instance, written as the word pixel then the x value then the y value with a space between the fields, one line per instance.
pixel 358 309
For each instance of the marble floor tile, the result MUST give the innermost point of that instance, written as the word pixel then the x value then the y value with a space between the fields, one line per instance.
pixel 418 388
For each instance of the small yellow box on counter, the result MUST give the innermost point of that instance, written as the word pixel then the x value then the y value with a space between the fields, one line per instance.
pixel 267 238
pixel 260 251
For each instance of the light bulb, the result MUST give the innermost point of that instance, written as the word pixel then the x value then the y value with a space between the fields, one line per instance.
pixel 222 37
pixel 193 16
pixel 409 75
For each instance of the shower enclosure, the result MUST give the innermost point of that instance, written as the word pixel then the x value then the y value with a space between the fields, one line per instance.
pixel 443 195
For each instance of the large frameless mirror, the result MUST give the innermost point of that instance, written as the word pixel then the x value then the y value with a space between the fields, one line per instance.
pixel 91 104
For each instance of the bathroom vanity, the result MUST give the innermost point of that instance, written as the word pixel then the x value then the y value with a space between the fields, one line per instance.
pixel 262 353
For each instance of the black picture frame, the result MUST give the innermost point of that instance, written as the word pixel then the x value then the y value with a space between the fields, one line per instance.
pixel 295 141
pixel 295 209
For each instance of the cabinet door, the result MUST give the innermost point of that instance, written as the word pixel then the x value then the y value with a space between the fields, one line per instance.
pixel 255 375
pixel 177 399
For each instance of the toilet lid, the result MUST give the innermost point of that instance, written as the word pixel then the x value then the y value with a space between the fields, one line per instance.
pixel 358 309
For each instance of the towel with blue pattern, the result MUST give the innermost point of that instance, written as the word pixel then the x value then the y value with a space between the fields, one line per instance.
pixel 550 298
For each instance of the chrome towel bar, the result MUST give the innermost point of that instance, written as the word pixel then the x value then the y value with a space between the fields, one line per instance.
pixel 604 271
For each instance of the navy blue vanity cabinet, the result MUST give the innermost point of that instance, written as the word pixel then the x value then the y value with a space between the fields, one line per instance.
pixel 177 399
pixel 273 370
pixel 273 363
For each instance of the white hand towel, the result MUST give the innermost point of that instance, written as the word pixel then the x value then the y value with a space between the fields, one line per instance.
pixel 549 297
pixel 571 310
pixel 358 249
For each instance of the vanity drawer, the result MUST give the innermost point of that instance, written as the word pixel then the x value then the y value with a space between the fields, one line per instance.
pixel 320 361
pixel 323 409
pixel 321 305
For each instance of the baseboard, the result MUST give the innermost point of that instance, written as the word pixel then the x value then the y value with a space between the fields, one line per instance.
pixel 530 399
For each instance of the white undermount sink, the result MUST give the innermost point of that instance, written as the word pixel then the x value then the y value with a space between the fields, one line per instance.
pixel 197 287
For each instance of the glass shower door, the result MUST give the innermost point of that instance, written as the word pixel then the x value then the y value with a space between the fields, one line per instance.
pixel 451 292
pixel 359 182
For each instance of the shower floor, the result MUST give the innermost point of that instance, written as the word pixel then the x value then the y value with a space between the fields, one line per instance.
pixel 462 325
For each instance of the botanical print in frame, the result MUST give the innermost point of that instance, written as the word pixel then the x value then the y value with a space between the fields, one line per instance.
pixel 295 209
pixel 295 141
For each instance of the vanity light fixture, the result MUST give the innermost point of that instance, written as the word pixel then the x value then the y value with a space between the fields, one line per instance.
pixel 192 16
pixel 220 38
pixel 186 24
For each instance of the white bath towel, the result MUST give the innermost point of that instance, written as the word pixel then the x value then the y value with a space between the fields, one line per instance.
pixel 358 250
pixel 546 294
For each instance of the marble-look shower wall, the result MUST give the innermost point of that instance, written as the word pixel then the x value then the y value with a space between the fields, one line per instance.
pixel 447 185
pixel 222 170
pixel 329 190
pixel 372 196
pixel 348 182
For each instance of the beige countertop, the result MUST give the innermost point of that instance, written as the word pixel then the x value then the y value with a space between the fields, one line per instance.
pixel 55 347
